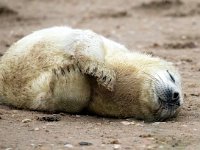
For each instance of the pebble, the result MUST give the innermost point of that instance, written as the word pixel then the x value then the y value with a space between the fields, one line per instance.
pixel 50 118
pixel 158 123
pixel 37 129
pixel 145 136
pixel 85 143
pixel 128 123
pixel 151 147
pixel 116 146
pixel 195 129
pixel 26 120
pixel 68 146
pixel 115 142
pixel 184 37
pixel 161 146
pixel 13 115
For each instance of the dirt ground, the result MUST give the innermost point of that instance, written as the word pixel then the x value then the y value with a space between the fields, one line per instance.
pixel 168 29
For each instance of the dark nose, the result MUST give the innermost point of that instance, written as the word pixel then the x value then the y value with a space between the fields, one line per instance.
pixel 175 96
pixel 170 97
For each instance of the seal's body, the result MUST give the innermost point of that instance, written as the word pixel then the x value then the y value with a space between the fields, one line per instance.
pixel 64 69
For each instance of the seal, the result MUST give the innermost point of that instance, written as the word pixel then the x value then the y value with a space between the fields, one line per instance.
pixel 61 69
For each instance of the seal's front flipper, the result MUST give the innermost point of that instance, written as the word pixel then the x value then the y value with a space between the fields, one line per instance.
pixel 104 75
pixel 90 57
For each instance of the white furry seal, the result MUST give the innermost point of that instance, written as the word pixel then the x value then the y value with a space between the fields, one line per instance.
pixel 68 70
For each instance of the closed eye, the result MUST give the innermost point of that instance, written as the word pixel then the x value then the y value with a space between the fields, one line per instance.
pixel 172 78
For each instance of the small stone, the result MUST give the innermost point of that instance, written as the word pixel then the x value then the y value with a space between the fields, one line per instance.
pixel 85 143
pixel 187 60
pixel 125 123
pixel 7 45
pixel 145 136
pixel 195 94
pixel 151 147
pixel 195 129
pixel 68 146
pixel 155 45
pixel 114 142
pixel 128 123
pixel 139 125
pixel 26 120
pixel 155 123
pixel 116 146
pixel 183 37
pixel 37 129
pixel 50 118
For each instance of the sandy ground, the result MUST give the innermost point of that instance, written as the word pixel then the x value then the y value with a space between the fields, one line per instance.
pixel 168 29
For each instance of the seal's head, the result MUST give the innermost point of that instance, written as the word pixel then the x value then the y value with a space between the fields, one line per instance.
pixel 166 92
pixel 163 84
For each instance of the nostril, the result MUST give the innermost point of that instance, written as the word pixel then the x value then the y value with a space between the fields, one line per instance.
pixel 175 96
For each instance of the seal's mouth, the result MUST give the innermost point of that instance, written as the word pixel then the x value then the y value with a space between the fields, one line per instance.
pixel 169 104
pixel 166 110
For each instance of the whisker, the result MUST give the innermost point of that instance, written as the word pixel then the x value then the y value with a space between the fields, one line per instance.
pixel 160 78
pixel 152 77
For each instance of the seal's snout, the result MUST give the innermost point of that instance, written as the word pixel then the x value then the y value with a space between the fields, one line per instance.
pixel 168 90
pixel 170 97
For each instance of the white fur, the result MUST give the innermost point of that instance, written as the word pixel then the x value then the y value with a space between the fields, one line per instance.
pixel 53 66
